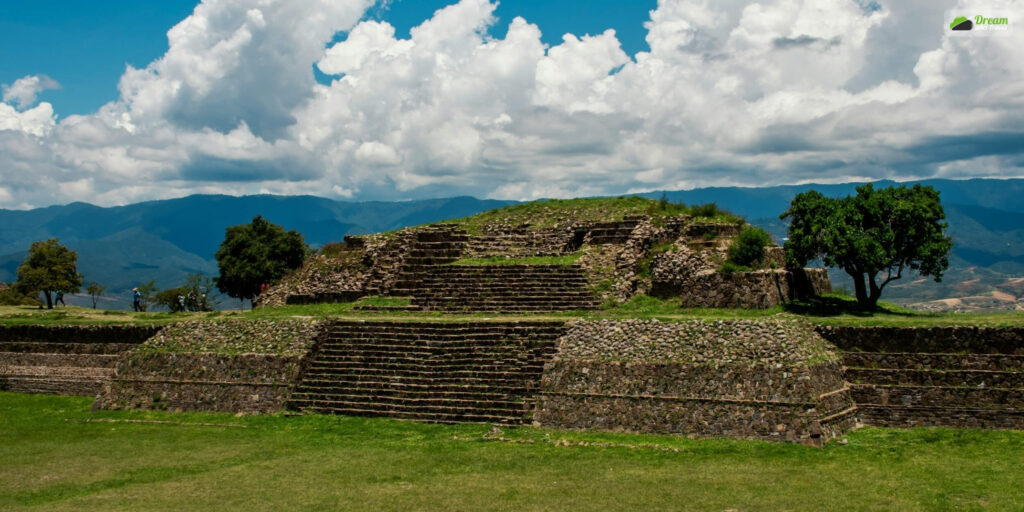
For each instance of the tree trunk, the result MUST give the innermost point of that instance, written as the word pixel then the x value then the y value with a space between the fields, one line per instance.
pixel 49 299
pixel 876 293
pixel 860 290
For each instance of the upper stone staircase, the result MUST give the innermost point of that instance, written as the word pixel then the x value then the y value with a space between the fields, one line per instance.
pixel 498 288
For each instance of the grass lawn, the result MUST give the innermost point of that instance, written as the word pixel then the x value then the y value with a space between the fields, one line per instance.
pixel 828 310
pixel 56 455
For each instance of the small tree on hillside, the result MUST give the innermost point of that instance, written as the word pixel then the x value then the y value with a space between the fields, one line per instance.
pixel 49 267
pixel 873 236
pixel 147 292
pixel 255 254
pixel 95 290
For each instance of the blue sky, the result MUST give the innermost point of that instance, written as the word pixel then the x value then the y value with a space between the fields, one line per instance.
pixel 112 102
pixel 85 45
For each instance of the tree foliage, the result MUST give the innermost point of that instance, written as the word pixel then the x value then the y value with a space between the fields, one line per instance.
pixel 147 294
pixel 95 290
pixel 49 267
pixel 257 253
pixel 196 294
pixel 747 248
pixel 873 236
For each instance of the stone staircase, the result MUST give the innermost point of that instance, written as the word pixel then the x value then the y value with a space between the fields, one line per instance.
pixel 910 389
pixel 498 288
pixel 436 372
pixel 75 367
pixel 603 233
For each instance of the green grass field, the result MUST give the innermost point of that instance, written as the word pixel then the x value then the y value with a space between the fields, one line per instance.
pixel 56 456
pixel 828 310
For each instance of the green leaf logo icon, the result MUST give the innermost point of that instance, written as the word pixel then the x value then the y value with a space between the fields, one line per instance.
pixel 961 23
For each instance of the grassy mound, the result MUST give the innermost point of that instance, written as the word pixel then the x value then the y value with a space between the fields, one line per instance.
pixel 552 213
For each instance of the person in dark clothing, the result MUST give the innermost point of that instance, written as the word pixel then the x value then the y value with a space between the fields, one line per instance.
pixel 60 299
pixel 137 298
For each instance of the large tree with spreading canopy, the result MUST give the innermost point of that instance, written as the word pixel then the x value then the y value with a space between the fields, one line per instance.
pixel 874 236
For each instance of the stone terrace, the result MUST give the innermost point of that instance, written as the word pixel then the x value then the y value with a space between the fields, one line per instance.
pixel 948 376
pixel 63 360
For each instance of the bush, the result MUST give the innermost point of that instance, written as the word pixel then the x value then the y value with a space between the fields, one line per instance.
pixel 708 210
pixel 747 248
pixel 729 268
pixel 11 297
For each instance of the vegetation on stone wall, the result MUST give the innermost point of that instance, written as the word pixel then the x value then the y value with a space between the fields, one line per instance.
pixel 565 212
pixel 747 249
pixel 229 337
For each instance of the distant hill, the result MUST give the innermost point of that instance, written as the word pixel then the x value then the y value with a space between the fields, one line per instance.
pixel 167 240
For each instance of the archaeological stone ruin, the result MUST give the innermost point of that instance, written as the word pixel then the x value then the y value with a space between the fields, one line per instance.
pixel 487 322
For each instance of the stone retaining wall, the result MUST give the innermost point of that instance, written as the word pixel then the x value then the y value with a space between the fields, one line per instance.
pixel 758 289
pixel 977 340
pixel 773 380
pixel 78 333
pixel 229 366
pixel 248 383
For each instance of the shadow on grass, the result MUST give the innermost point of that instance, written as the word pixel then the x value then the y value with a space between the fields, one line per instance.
pixel 837 305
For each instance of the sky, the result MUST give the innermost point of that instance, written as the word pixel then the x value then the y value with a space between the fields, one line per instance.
pixel 113 102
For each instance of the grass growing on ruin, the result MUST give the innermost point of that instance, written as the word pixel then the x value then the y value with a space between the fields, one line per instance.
pixel 564 212
pixel 830 310
pixel 58 456
pixel 568 259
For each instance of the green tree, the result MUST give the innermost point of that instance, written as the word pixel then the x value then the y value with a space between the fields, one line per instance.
pixel 197 293
pixel 49 267
pixel 147 293
pixel 255 254
pixel 169 299
pixel 873 236
pixel 95 290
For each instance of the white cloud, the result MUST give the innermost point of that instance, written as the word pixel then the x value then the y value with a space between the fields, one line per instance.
pixel 24 90
pixel 782 91
pixel 37 121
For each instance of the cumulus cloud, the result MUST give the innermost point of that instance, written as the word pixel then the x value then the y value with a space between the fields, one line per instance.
pixel 24 90
pixel 781 91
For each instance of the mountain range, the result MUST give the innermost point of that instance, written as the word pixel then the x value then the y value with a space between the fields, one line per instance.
pixel 166 240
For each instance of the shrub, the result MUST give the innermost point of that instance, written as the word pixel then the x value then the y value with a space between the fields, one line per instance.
pixel 11 297
pixel 747 248
pixel 730 267
pixel 706 210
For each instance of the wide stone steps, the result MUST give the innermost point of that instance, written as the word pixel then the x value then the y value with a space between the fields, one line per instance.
pixel 389 397
pixel 58 360
pixel 449 415
pixel 441 372
pixel 64 348
pixel 938 396
pixel 924 361
pixel 957 417
pixel 52 385
pixel 420 386
pixel 84 381
pixel 967 378
pixel 432 364
pixel 904 389
pixel 464 378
